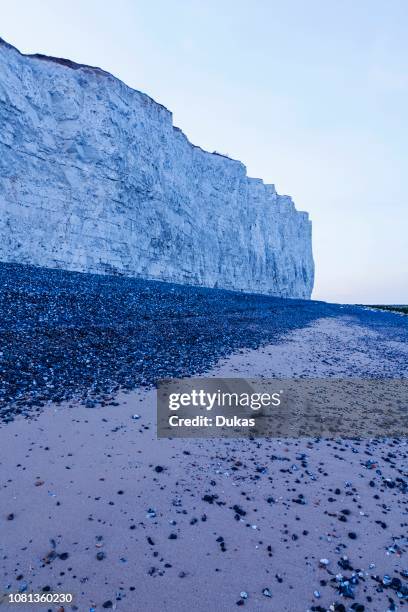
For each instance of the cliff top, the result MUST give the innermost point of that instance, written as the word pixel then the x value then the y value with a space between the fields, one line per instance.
pixel 78 66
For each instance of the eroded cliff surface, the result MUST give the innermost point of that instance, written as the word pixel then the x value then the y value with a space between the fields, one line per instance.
pixel 94 177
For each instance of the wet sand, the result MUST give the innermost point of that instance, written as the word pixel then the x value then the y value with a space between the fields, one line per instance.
pixel 87 481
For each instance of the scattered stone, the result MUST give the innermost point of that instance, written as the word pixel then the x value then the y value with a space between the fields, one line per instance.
pixel 210 498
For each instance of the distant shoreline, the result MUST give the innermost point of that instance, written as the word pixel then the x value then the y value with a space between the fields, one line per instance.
pixel 397 308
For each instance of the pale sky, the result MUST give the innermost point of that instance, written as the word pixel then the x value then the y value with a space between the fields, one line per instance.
pixel 311 95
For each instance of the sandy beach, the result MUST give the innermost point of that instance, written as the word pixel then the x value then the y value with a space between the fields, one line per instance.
pixel 93 504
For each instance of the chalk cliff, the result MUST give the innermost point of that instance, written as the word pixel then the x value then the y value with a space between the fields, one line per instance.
pixel 95 177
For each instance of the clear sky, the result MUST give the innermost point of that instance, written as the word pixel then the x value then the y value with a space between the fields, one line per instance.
pixel 310 95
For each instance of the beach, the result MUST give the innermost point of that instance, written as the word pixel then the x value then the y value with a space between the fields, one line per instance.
pixel 94 505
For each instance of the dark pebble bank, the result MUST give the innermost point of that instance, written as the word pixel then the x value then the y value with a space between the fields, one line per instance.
pixel 66 335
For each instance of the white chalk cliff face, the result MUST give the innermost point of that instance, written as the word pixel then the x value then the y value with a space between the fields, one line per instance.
pixel 95 177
